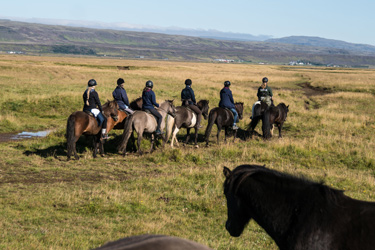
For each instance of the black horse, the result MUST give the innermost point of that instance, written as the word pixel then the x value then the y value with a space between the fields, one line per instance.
pixel 259 109
pixel 153 242
pixel 274 115
pixel 297 213
pixel 223 118
pixel 185 118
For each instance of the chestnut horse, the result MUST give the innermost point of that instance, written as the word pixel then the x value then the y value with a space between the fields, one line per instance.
pixel 80 123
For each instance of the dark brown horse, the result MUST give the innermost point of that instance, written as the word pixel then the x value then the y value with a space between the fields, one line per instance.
pixel 136 104
pixel 297 213
pixel 80 123
pixel 274 115
pixel 259 109
pixel 223 118
pixel 153 242
pixel 185 118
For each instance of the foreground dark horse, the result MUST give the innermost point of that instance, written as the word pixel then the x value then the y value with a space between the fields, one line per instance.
pixel 152 242
pixel 274 115
pixel 223 118
pixel 143 122
pixel 185 118
pixel 80 123
pixel 297 213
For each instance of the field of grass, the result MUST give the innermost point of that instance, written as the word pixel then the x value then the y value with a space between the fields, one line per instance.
pixel 49 203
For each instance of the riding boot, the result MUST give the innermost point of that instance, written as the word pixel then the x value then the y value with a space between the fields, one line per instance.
pixel 104 134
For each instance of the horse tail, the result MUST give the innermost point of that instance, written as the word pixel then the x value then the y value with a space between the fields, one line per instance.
pixel 211 121
pixel 266 124
pixel 70 134
pixel 126 134
pixel 169 127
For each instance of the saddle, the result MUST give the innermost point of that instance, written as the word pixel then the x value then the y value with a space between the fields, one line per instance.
pixel 230 112
pixel 92 115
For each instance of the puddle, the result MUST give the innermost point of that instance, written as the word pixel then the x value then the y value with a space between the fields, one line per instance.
pixel 23 135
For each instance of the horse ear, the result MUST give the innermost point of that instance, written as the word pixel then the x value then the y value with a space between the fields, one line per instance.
pixel 227 172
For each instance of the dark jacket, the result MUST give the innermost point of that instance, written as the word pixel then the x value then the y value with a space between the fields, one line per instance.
pixel 94 101
pixel 267 91
pixel 188 94
pixel 226 98
pixel 120 96
pixel 149 100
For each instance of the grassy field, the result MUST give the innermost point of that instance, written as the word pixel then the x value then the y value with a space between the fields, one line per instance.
pixel 49 203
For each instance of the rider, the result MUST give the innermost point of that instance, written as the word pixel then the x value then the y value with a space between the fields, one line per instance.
pixel 264 94
pixel 92 104
pixel 188 99
pixel 149 101
pixel 226 101
pixel 120 96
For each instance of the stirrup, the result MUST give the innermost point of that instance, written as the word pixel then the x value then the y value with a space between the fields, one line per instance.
pixel 235 127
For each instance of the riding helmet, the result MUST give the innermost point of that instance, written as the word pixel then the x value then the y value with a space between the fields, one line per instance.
pixel 226 83
pixel 265 79
pixel 120 81
pixel 91 83
pixel 149 84
pixel 188 82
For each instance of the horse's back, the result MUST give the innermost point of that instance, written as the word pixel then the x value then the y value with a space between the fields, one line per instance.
pixel 185 117
pixel 144 121
pixel 152 242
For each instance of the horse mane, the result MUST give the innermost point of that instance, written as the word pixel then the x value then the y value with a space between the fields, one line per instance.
pixel 279 180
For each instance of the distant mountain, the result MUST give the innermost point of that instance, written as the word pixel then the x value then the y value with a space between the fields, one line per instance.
pixel 323 42
pixel 35 38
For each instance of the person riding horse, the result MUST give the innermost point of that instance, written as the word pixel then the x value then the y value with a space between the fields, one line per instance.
pixel 264 94
pixel 226 101
pixel 120 96
pixel 188 100
pixel 149 101
pixel 92 105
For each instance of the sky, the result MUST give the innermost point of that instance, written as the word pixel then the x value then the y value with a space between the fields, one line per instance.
pixel 350 21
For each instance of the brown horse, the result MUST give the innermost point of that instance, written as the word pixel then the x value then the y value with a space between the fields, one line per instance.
pixel 143 122
pixel 80 123
pixel 153 242
pixel 274 115
pixel 136 104
pixel 223 118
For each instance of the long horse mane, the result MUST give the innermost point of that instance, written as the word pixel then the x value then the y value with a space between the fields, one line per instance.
pixel 109 106
pixel 279 180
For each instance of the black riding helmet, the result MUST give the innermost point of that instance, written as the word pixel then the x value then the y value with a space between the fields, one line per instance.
pixel 226 83
pixel 120 81
pixel 91 83
pixel 265 79
pixel 188 82
pixel 149 84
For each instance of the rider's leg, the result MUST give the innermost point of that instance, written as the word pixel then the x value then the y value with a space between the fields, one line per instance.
pixel 158 119
pixel 235 114
pixel 199 114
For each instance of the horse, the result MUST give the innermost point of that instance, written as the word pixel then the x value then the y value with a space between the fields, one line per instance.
pixel 185 118
pixel 152 242
pixel 223 118
pixel 80 123
pixel 141 122
pixel 136 104
pixel 274 115
pixel 259 109
pixel 297 213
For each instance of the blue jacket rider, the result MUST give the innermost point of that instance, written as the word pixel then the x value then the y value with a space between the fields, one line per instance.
pixel 187 95
pixel 226 101
pixel 149 101
pixel 120 96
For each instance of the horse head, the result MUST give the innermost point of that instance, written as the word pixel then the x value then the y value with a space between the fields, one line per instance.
pixel 110 108
pixel 284 109
pixel 238 217
pixel 203 105
pixel 239 109
pixel 170 109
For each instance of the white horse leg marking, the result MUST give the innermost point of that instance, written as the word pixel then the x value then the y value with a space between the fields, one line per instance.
pixel 174 137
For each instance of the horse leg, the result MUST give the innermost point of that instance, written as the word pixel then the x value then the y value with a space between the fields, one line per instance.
pixel 187 136
pixel 225 134
pixel 140 133
pixel 235 135
pixel 174 137
pixel 196 138
pixel 152 143
pixel 272 127
pixel 218 134
pixel 280 126
pixel 95 143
